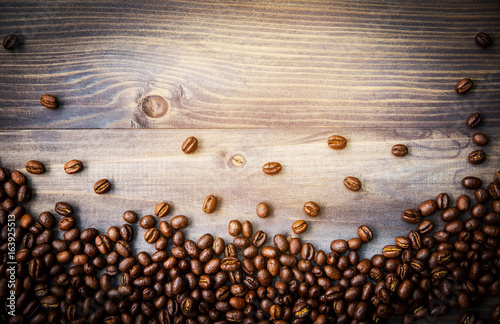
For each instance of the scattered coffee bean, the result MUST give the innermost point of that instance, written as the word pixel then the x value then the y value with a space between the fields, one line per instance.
pixel 210 204
pixel 102 186
pixel 234 227
pixel 299 226
pixel 190 145
pixel 73 166
pixel 63 209
pixel 481 139
pixel 337 142
pixel 147 221
pixel 262 210
pixel 311 208
pixel 35 167
pixel 130 217
pixel 483 39
pixel 471 182
pixel 179 222
pixel 463 86
pixel 477 157
pixel 10 42
pixel 443 201
pixel 49 101
pixel 272 168
pixel 411 216
pixel 162 209
pixel 399 150
pixel 365 233
pixel 352 183
pixel 473 120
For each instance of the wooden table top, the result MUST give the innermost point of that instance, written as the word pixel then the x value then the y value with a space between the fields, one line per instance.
pixel 254 81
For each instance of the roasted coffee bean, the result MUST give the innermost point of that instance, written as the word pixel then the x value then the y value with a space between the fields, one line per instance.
pixel 147 221
pixel 311 208
pixel 63 209
pixel 463 203
pixel 450 214
pixel 481 139
pixel 483 40
pixel 49 101
pixel 35 167
pixel 259 239
pixel 411 216
pixel 73 166
pixel 399 150
pixel 391 251
pixel 10 42
pixel 426 227
pixel 299 226
pixel 113 233
pixel 103 244
pixel 246 229
pixel 463 86
pixel 162 209
pixel 477 157
pixel 340 246
pixel 66 223
pixel 179 222
pixel 102 186
pixel 126 232
pixel 281 243
pixel 18 177
pixel 262 210
pixel 190 145
pixel 130 217
pixel 443 201
pixel 210 204
pixel 354 244
pixel 337 142
pixel 473 120
pixel 234 227
pixel 471 182
pixel 272 168
pixel 482 195
pixel 365 234
pixel 152 235
pixel 494 190
pixel 47 219
pixel 352 183
pixel 427 208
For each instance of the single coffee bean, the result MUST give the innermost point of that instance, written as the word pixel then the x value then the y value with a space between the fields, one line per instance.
pixel 89 234
pixel 365 233
pixel 473 120
pixel 11 188
pixel 47 219
pixel 234 227
pixel 483 40
pixel 152 235
pixel 281 242
pixel 340 246
pixel 482 195
pixel 162 209
pixel 147 221
pixel 190 145
pixel 66 223
pixel 337 142
pixel 10 42
pixel 463 203
pixel 102 186
pixel 73 166
pixel 427 208
pixel 494 190
pixel 272 168
pixel 262 210
pixel 63 209
pixel 299 226
pixel 49 101
pixel 311 208
pixel 391 251
pixel 471 182
pixel 411 216
pixel 399 150
pixel 247 229
pixel 130 217
pixel 259 239
pixel 480 139
pixel 443 201
pixel 354 244
pixel 352 183
pixel 179 222
pixel 463 86
pixel 35 167
pixel 477 157
pixel 426 227
pixel 210 204
pixel 113 233
pixel 18 177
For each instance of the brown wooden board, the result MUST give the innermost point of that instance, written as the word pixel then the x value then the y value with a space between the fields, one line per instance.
pixel 147 166
pixel 240 64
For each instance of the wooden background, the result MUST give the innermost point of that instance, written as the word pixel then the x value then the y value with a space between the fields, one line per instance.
pixel 260 80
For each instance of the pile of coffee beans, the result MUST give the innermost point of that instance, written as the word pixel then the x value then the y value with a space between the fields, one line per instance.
pixel 93 277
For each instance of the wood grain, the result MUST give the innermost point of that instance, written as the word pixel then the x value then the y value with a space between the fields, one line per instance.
pixel 240 64
pixel 149 167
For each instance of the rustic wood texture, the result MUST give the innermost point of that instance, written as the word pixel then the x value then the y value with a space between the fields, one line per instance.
pixel 241 64
pixel 149 167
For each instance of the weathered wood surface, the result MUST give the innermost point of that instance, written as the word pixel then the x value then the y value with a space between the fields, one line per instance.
pixel 148 166
pixel 240 64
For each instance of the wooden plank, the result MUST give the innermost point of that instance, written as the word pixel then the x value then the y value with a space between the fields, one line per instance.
pixel 148 166
pixel 239 64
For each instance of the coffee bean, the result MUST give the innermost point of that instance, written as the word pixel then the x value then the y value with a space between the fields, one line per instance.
pixel 463 86
pixel 352 183
pixel 179 222
pixel 147 221
pixel 210 204
pixel 63 209
pixel 473 120
pixel 49 101
pixel 481 139
pixel 35 167
pixel 311 208
pixel 130 217
pixel 10 42
pixel 234 227
pixel 272 168
pixel 427 208
pixel 113 233
pixel 152 235
pixel 463 203
pixel 477 157
pixel 411 216
pixel 443 201
pixel 483 40
pixel 365 234
pixel 102 186
pixel 471 182
pixel 450 214
pixel 162 209
pixel 494 190
pixel 391 251
pixel 190 145
pixel 340 246
pixel 262 210
pixel 399 150
pixel 426 227
pixel 299 226
pixel 46 219
pixel 337 142
pixel 18 177
pixel 89 234
pixel 259 239
pixel 73 166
